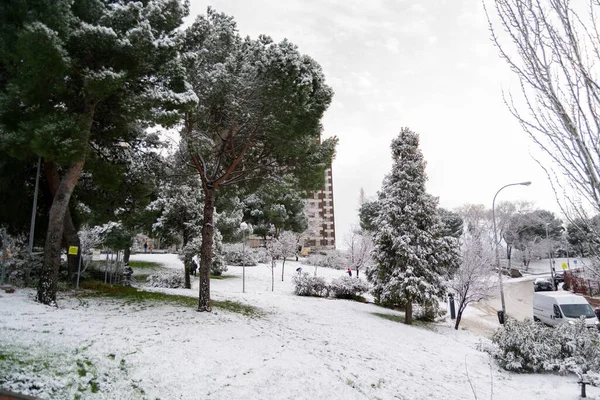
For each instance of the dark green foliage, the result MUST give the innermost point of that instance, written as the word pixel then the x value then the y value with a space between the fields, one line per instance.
pixel 523 229
pixel 367 214
pixel 278 204
pixel 266 103
pixel 452 223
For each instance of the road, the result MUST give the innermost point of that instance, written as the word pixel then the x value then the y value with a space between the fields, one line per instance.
pixel 518 298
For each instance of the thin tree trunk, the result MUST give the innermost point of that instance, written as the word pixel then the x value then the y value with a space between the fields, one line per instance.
pixel 206 249
pixel 458 317
pixel 187 260
pixel 461 308
pixel 408 313
pixel 49 273
pixel 273 275
pixel 282 269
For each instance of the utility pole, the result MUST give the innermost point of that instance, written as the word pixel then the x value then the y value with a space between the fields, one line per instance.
pixel 34 209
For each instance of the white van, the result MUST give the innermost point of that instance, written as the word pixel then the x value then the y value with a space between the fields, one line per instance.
pixel 555 308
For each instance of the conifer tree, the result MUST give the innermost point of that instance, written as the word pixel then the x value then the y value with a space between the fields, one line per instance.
pixel 413 258
pixel 76 77
pixel 258 117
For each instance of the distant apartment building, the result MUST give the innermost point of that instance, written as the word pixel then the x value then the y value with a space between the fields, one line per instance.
pixel 321 221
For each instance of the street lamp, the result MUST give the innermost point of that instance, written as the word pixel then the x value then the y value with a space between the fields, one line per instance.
pixel 550 257
pixel 496 242
pixel 244 227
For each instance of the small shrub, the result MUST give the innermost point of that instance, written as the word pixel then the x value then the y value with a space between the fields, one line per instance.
pixel 166 280
pixel 428 313
pixel 308 285
pixel 260 255
pixel 235 254
pixel 347 287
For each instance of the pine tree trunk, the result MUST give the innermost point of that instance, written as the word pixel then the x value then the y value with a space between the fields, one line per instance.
pixel 206 249
pixel 70 237
pixel 282 269
pixel 408 313
pixel 49 273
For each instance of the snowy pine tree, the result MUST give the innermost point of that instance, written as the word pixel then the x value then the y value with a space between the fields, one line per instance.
pixel 413 260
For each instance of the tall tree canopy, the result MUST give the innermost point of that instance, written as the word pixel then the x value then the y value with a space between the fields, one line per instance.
pixel 413 258
pixel 258 116
pixel 77 76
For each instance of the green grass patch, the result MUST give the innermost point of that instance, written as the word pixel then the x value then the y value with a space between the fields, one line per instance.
pixel 222 276
pixel 399 318
pixel 133 295
pixel 144 264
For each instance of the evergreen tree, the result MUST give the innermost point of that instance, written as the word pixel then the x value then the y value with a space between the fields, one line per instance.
pixel 76 75
pixel 258 117
pixel 413 259
pixel 277 206
pixel 452 223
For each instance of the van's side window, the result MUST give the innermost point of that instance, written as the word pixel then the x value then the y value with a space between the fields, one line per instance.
pixel 557 312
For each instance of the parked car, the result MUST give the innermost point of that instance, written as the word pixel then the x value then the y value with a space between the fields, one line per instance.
pixel 541 284
pixel 559 277
pixel 561 308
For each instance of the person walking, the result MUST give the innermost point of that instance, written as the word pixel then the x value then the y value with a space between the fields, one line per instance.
pixel 145 247
pixel 349 272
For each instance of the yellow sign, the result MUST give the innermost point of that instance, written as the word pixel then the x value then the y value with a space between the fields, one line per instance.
pixel 565 266
pixel 73 250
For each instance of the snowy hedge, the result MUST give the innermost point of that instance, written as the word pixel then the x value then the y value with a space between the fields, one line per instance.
pixel 528 346
pixel 330 259
pixel 308 285
pixel 347 287
pixel 235 254
pixel 343 288
pixel 169 279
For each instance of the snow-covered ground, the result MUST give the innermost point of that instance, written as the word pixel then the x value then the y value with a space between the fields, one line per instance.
pixel 303 348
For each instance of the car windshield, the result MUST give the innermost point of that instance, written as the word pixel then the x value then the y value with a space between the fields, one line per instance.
pixel 577 310
pixel 542 280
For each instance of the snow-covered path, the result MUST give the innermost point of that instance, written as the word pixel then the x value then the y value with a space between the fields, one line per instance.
pixel 304 348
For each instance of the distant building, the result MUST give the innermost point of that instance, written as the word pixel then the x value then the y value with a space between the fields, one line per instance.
pixel 321 222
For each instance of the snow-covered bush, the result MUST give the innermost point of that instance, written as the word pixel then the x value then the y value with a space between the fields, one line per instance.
pixel 329 259
pixel 308 285
pixel 526 345
pixel 428 314
pixel 261 255
pixel 218 265
pixel 530 346
pixel 194 247
pixel 235 254
pixel 170 279
pixel 347 287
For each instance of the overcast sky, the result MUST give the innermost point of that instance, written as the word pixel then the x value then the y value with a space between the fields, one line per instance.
pixel 425 64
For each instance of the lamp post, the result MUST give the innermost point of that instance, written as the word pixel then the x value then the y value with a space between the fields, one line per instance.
pixel 496 243
pixel 550 257
pixel 244 227
pixel 34 209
